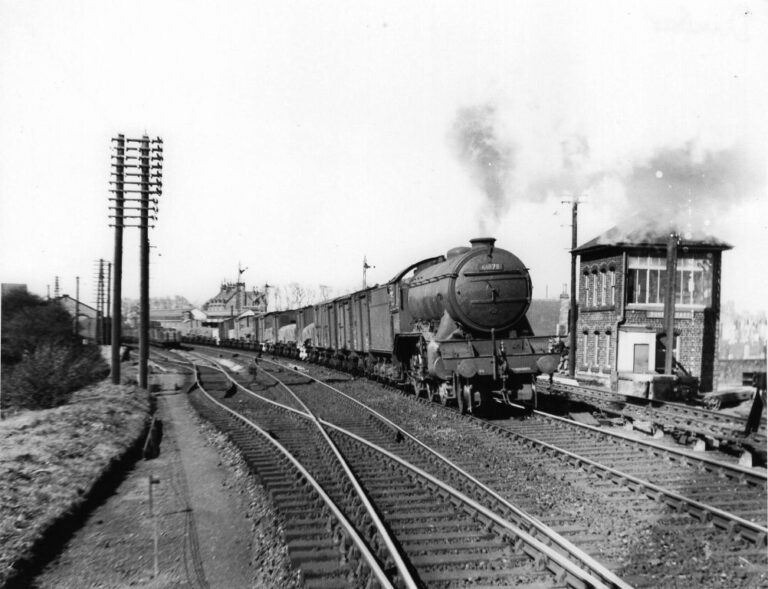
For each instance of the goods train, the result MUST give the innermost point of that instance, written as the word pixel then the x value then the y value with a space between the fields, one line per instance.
pixel 452 328
pixel 163 337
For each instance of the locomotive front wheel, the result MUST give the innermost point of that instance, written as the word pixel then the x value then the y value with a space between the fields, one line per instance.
pixel 464 398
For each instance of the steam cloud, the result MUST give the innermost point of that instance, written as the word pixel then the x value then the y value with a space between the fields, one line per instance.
pixel 488 157
pixel 687 188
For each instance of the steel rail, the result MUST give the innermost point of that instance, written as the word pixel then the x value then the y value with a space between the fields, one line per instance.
pixel 350 529
pixel 603 576
pixel 674 410
pixel 725 518
pixel 567 565
pixel 733 467
pixel 392 548
pixel 761 532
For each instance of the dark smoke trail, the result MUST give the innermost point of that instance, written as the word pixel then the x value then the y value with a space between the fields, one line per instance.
pixel 690 191
pixel 490 160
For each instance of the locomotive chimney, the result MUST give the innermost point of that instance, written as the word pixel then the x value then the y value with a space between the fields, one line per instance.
pixel 487 242
pixel 482 241
pixel 669 302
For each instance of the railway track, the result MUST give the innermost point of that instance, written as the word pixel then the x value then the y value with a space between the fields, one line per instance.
pixel 444 536
pixel 731 497
pixel 702 503
pixel 712 426
pixel 647 531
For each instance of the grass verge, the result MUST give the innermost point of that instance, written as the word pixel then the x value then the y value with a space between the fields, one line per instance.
pixel 55 463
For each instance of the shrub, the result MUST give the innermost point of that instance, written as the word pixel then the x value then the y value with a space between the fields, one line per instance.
pixel 29 321
pixel 46 377
pixel 43 360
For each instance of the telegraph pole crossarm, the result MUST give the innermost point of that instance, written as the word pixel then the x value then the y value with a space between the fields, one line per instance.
pixel 140 204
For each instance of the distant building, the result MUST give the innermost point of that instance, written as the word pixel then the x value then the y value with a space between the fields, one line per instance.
pixel 743 334
pixel 88 320
pixel 620 329
pixel 742 345
pixel 171 318
pixel 231 313
pixel 544 315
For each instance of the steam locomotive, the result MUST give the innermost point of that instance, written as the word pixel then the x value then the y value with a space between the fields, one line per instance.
pixel 451 328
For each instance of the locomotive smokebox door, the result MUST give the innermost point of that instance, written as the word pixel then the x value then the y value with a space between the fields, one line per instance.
pixel 481 288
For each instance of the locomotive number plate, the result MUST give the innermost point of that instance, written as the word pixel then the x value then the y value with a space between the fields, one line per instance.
pixel 492 268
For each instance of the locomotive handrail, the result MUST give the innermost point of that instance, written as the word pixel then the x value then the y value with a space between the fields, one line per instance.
pixel 415 283
pixel 434 259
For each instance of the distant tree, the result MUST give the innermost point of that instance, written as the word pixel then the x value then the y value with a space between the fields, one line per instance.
pixel 180 302
pixel 297 295
pixel 278 295
pixel 28 321
pixel 43 360
pixel 157 303
pixel 325 292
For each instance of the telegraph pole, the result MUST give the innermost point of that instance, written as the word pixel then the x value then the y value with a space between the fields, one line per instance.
pixel 118 213
pixel 139 166
pixel 77 306
pixel 144 263
pixel 100 335
pixel 107 331
pixel 572 315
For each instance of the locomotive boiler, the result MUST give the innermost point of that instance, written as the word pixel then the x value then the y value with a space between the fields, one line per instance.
pixel 474 343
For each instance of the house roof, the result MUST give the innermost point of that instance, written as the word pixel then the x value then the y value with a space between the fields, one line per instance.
pixel 168 314
pixel 198 315
pixel 229 290
pixel 644 233
pixel 70 303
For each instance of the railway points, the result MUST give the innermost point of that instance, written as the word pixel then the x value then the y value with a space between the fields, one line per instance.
pixel 629 501
pixel 442 569
pixel 690 424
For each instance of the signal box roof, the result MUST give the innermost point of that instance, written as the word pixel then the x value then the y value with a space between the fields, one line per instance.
pixel 634 234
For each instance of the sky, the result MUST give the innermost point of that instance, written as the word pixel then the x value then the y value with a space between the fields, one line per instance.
pixel 300 137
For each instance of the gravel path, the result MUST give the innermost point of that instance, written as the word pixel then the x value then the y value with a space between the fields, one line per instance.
pixel 215 526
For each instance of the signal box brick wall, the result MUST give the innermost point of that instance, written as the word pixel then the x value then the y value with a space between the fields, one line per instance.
pixel 602 314
pixel 599 314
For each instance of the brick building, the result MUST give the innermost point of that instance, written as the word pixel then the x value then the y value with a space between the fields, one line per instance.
pixel 621 335
pixel 231 313
pixel 88 319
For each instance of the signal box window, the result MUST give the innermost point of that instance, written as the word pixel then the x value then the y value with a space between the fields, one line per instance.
pixel 647 280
